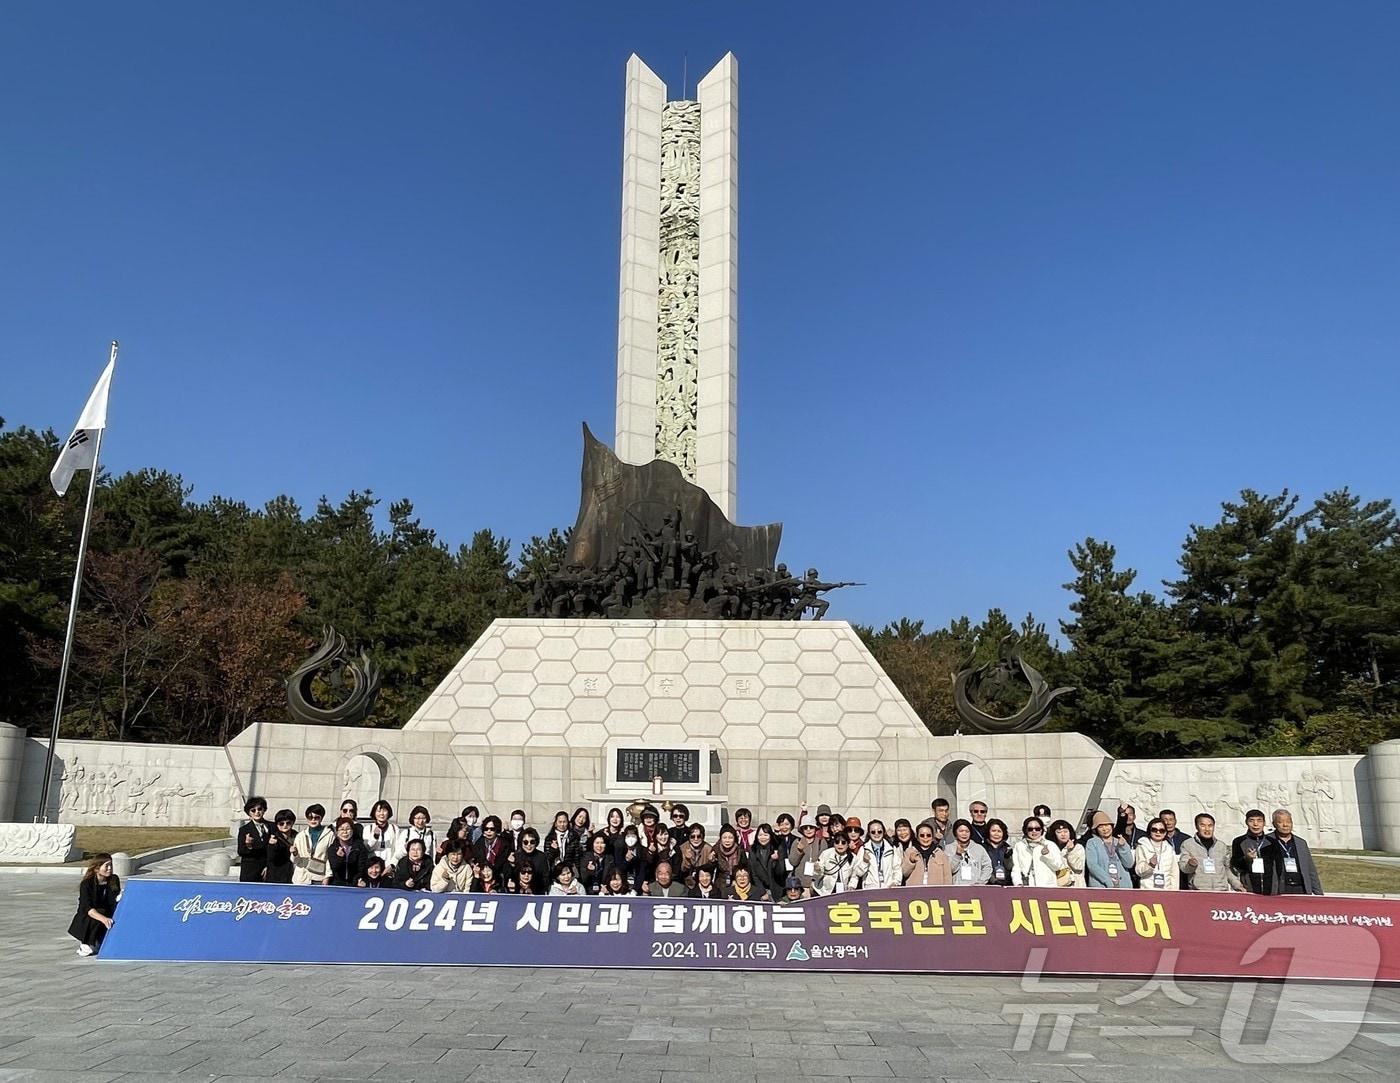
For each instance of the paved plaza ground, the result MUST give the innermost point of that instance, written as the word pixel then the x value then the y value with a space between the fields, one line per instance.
pixel 82 1019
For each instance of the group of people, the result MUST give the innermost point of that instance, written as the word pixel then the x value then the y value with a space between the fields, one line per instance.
pixel 793 858
pixel 812 854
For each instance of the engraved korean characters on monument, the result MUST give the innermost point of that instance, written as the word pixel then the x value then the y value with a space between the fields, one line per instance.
pixel 669 765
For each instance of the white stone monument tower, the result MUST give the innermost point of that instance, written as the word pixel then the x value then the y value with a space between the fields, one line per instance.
pixel 677 323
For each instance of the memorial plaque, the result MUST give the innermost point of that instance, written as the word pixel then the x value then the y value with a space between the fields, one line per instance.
pixel 675 765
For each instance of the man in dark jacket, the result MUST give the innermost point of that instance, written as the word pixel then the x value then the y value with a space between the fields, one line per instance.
pixel 252 842
pixel 1249 854
pixel 1289 866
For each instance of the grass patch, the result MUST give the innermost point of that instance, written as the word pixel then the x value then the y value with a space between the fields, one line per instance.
pixel 1358 876
pixel 99 839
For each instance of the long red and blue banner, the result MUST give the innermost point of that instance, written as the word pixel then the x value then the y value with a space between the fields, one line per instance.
pixel 920 930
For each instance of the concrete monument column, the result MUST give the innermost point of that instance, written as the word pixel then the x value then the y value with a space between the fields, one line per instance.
pixel 12 744
pixel 1383 765
pixel 677 338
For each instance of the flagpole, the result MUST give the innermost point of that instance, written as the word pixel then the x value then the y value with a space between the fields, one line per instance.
pixel 43 815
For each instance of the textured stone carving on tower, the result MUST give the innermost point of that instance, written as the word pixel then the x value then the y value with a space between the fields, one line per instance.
pixel 677 341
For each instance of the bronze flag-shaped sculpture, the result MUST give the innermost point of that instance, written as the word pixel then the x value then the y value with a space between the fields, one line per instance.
pixel 360 674
pixel 999 676
pixel 619 501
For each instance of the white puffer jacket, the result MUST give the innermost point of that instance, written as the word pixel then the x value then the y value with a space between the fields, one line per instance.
pixel 1036 864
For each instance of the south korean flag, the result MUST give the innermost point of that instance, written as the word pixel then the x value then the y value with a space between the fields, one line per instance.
pixel 80 452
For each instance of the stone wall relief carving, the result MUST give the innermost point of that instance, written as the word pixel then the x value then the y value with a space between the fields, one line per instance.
pixel 41 843
pixel 1140 792
pixel 178 792
pixel 1272 795
pixel 363 782
pixel 678 289
pixel 72 785
pixel 1211 790
pixel 138 791
pixel 1317 793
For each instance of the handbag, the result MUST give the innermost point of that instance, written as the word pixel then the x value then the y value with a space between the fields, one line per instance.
pixel 314 866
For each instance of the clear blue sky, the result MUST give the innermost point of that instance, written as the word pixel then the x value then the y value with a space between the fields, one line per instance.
pixel 1009 274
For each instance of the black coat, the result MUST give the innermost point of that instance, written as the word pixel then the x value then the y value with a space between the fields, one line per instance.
pixel 252 851
pixel 279 857
pixel 634 867
pixel 540 863
pixel 347 869
pixel 671 855
pixel 1260 883
pixel 94 896
pixel 768 867
pixel 593 871
pixel 568 854
pixel 501 865
pixel 422 877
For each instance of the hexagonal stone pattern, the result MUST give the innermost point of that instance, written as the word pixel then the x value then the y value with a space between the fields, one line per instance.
pixel 744 686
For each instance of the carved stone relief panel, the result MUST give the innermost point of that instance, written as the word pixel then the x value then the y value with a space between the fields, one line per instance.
pixel 678 291
pixel 141 784
pixel 45 844
pixel 363 782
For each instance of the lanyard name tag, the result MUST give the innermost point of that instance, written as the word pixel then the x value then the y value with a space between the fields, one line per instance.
pixel 1208 865
pixel 1159 879
pixel 807 868
pixel 967 872
pixel 998 872
pixel 1113 871
pixel 1290 864
pixel 839 885
pixel 1257 866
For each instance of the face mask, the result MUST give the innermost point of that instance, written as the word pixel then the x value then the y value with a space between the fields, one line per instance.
pixel 471 821
pixel 516 825
pixel 631 840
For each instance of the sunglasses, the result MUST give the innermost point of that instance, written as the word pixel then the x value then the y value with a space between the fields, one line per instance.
pixel 1034 830
pixel 1158 831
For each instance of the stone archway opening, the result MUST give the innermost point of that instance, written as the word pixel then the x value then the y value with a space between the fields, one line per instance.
pixel 961 782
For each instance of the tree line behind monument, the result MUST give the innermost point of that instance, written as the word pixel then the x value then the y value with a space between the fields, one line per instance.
pixel 1281 634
